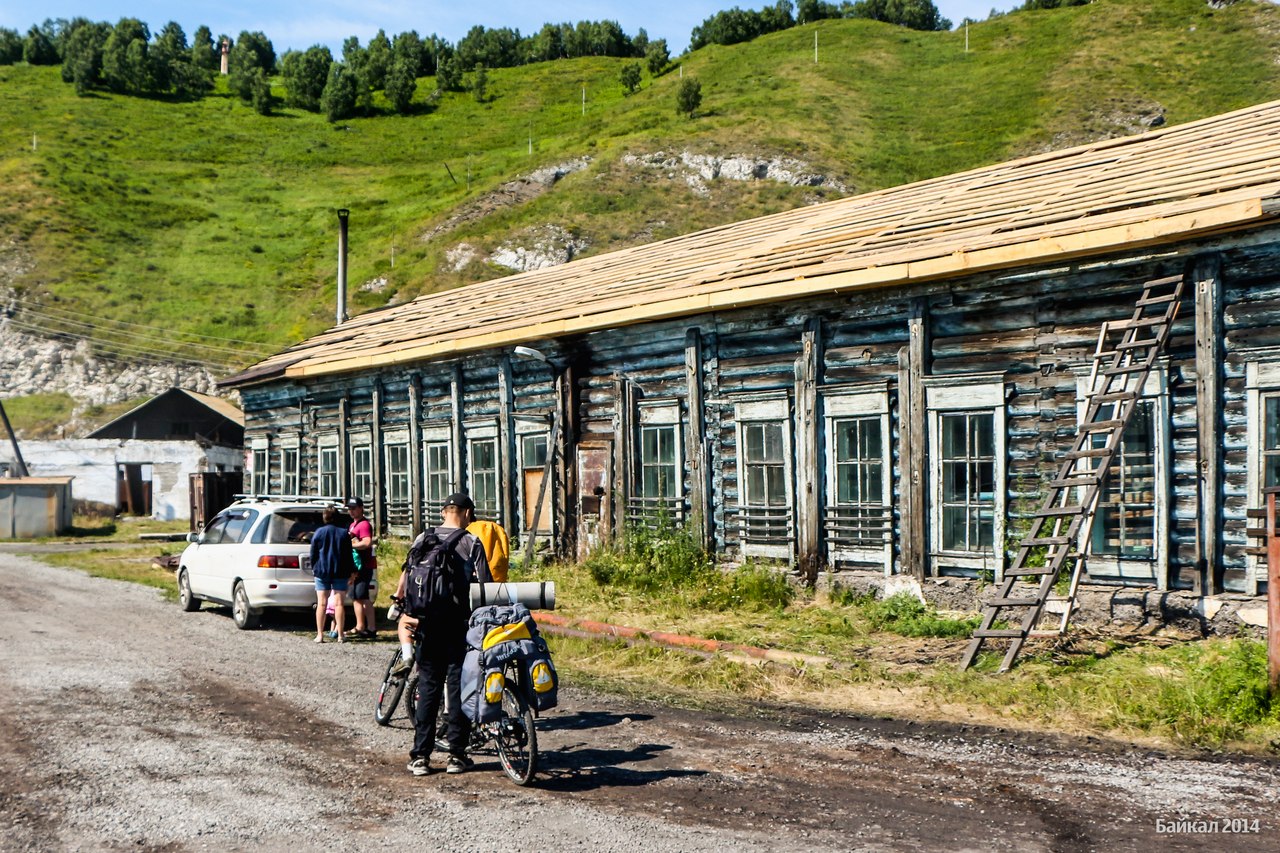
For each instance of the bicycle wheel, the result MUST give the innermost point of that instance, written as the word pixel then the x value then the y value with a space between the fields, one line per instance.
pixel 411 696
pixel 389 693
pixel 516 738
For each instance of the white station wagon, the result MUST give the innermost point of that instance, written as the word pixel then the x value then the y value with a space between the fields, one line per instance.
pixel 253 555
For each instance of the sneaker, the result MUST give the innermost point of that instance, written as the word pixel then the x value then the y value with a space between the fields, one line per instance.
pixel 403 665
pixel 458 764
pixel 420 767
pixel 332 635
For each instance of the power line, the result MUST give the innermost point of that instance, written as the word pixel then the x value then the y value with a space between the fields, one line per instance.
pixel 119 348
pixel 51 311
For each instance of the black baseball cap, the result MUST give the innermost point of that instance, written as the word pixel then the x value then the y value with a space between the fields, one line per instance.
pixel 355 502
pixel 461 500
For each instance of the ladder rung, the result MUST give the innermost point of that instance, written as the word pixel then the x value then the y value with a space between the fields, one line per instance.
pixel 1013 602
pixel 1032 570
pixel 995 633
pixel 1060 510
pixel 1101 426
pixel 1155 300
pixel 1141 367
pixel 1140 323
pixel 1075 482
pixel 1128 345
pixel 1091 453
pixel 1113 396
pixel 1033 541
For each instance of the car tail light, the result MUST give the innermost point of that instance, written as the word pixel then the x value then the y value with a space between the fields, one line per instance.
pixel 275 561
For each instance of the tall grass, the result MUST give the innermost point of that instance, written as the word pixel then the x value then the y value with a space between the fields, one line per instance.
pixel 665 560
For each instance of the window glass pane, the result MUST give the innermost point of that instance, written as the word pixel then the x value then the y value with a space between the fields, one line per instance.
pixel 1271 419
pixel 953 435
pixel 773 442
pixel 753 438
pixel 533 452
pixel 1124 525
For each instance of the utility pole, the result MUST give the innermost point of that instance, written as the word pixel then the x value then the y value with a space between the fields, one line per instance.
pixel 17 454
pixel 815 47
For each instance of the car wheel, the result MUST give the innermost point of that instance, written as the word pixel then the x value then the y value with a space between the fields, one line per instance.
pixel 245 616
pixel 188 602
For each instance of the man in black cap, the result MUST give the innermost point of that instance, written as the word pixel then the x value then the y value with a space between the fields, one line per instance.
pixel 442 643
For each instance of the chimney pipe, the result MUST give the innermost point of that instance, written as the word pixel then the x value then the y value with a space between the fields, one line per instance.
pixel 343 213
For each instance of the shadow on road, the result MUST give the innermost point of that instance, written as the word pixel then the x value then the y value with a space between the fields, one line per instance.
pixel 570 769
pixel 580 720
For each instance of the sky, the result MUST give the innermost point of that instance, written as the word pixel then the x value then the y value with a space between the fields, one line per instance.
pixel 299 24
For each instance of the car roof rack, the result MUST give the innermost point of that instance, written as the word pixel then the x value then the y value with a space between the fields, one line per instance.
pixel 333 499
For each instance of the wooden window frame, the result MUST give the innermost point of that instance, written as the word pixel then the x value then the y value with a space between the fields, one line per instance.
pixel 841 406
pixel 1114 569
pixel 756 410
pixel 661 414
pixel 971 394
pixel 327 449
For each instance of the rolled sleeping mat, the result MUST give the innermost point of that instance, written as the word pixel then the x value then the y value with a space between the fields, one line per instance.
pixel 535 595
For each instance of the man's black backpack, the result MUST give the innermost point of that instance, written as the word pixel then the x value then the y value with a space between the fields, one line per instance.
pixel 436 584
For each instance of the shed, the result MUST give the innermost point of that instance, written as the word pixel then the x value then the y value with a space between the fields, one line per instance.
pixel 31 507
pixel 884 383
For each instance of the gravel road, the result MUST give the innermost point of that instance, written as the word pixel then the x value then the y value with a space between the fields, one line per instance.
pixel 135 726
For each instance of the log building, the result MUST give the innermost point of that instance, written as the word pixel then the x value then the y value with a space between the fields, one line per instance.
pixel 883 383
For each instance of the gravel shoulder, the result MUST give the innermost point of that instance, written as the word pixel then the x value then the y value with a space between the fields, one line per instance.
pixel 134 725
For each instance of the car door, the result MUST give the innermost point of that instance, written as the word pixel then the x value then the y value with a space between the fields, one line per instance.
pixel 231 557
pixel 201 556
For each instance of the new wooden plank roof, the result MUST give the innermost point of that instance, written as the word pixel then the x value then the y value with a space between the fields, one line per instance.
pixel 1159 187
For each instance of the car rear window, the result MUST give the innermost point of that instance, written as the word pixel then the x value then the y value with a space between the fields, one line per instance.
pixel 293 526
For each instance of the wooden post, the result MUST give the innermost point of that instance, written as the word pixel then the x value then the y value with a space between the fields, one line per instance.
pixel 506 445
pixel 455 427
pixel 375 459
pixel 344 452
pixel 912 367
pixel 808 365
pixel 564 500
pixel 623 413
pixel 415 453
pixel 699 505
pixel 1273 598
pixel 1209 419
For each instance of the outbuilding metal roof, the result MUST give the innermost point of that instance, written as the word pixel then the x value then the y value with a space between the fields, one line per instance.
pixel 1216 174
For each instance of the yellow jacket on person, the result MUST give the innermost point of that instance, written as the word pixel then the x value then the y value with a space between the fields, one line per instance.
pixel 497 547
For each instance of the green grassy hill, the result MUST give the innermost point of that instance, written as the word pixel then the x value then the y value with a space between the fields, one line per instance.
pixel 207 219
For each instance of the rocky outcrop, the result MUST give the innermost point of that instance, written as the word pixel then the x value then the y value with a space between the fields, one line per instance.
pixel 537 248
pixel 697 170
pixel 523 189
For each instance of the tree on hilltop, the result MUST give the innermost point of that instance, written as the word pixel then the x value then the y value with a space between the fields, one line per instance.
pixel 401 84
pixel 250 51
pixel 338 100
pixel 124 57
pixel 656 56
pixel 203 54
pixel 10 46
pixel 38 49
pixel 305 74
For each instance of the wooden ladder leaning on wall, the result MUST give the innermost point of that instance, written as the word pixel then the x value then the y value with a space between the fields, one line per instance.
pixel 1126 352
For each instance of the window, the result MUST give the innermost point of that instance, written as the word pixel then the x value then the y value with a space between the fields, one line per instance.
pixel 966 470
pixel 362 472
pixel 1271 440
pixel 398 473
pixel 230 527
pixel 329 482
pixel 533 461
pixel 289 470
pixel 261 479
pixel 765 465
pixel 1125 523
pixel 764 477
pixel 1129 528
pixel 968 481
pixel 482 457
pixel 858 512
pixel 658 490
pixel 438 477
